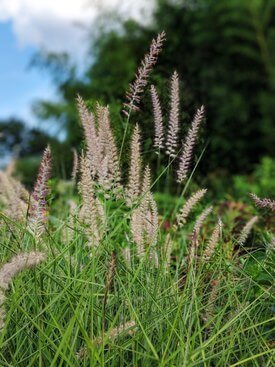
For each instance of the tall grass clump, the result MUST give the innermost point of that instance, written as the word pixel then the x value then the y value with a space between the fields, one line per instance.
pixel 113 279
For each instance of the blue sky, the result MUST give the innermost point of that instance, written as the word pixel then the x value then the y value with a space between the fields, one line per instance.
pixel 19 84
pixel 26 26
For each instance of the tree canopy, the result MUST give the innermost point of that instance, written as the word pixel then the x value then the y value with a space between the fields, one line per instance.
pixel 224 54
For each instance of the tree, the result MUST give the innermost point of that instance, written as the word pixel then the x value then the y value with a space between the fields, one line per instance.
pixel 26 145
pixel 224 53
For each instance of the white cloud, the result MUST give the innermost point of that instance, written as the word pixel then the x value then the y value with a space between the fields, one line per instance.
pixel 55 24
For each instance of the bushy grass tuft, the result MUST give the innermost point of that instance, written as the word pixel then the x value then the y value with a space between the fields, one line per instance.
pixel 125 276
pixel 214 315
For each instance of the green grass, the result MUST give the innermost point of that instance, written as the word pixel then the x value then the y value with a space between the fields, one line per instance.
pixel 192 313
pixel 63 305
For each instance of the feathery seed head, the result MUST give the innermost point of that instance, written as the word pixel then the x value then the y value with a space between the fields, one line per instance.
pixel 111 271
pixel 75 165
pixel 86 183
pixel 173 128
pixel 188 206
pixel 213 241
pixel 198 224
pixel 127 328
pixel 19 189
pixel 38 207
pixel 18 263
pixel 151 222
pixel 90 133
pixel 126 253
pixel 137 87
pixel 210 307
pixel 263 203
pixel 69 230
pixel 201 219
pixel 154 257
pixel 14 197
pixel 146 186
pixel 271 246
pixel 108 149
pixel 133 188
pixel 158 120
pixel 10 269
pixel 137 230
pixel 92 212
pixel 168 251
pixel 144 224
pixel 246 230
pixel 186 156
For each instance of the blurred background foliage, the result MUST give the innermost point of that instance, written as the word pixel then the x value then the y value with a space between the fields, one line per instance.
pixel 224 52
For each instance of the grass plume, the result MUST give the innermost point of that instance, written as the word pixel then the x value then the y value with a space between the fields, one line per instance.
pixel 134 180
pixel 158 120
pixel 37 218
pixel 263 203
pixel 123 284
pixel 137 87
pixel 246 230
pixel 173 128
pixel 188 146
pixel 188 206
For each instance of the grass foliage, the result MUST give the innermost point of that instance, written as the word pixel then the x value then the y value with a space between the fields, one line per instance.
pixel 216 314
pixel 126 283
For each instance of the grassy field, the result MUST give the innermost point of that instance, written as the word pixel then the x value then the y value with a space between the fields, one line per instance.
pixel 215 312
pixel 104 270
